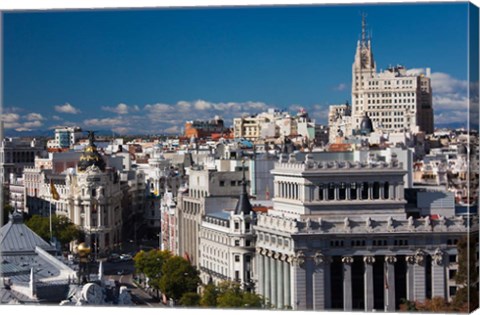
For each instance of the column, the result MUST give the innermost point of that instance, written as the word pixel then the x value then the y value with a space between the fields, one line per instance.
pixel 391 193
pixel 347 283
pixel 368 282
pixel 319 283
pixel 419 287
pixel 381 186
pixel 259 271
pixel 410 284
pixel 438 275
pixel 370 191
pixel 286 281
pixel 299 284
pixel 390 284
pixel 266 276
pixel 280 284
pixel 273 282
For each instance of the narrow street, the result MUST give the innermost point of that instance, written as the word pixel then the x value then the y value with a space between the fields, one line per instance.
pixel 123 273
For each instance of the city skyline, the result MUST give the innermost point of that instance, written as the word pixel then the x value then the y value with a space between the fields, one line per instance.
pixel 157 68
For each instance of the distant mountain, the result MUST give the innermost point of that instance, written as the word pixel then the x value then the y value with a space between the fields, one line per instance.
pixel 49 133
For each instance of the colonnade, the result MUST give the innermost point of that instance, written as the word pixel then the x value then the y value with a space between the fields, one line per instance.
pixel 305 282
pixel 336 191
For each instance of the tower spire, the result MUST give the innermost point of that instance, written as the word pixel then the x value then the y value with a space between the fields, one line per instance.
pixel 243 205
pixel 364 30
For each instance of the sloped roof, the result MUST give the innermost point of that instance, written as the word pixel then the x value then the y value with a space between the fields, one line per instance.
pixel 16 237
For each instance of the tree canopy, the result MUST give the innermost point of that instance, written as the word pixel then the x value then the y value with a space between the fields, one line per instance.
pixel 178 278
pixel 150 263
pixel 229 294
pixel 62 229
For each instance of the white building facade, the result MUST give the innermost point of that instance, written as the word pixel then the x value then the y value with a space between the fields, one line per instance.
pixel 338 238
pixel 396 100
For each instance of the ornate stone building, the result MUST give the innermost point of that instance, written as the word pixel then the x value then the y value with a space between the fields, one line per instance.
pixel 94 200
pixel 338 237
pixel 227 244
pixel 396 100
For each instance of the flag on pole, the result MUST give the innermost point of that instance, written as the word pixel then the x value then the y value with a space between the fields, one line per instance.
pixel 53 191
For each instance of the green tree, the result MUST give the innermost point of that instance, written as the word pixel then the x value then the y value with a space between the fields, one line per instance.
pixel 209 296
pixel 466 298
pixel 178 278
pixel 190 299
pixel 150 264
pixel 62 229
pixel 231 295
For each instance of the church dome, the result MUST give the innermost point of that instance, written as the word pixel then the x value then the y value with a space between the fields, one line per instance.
pixel 366 124
pixel 90 156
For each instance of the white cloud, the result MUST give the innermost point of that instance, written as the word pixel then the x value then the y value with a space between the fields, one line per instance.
pixel 103 122
pixel 121 109
pixel 158 108
pixel 449 102
pixel 55 117
pixel 12 125
pixel 67 109
pixel 34 116
pixel 10 117
pixel 173 129
pixel 340 87
pixel 33 124
pixel 121 130
pixel 202 105
pixel 443 83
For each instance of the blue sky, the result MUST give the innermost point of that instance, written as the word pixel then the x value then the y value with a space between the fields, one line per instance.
pixel 151 70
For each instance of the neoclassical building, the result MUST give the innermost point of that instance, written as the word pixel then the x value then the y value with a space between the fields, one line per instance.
pixel 94 200
pixel 227 243
pixel 338 237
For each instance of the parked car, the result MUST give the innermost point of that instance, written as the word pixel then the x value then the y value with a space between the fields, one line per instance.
pixel 126 257
pixel 114 258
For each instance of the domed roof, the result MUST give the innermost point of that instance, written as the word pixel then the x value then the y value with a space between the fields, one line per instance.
pixel 91 156
pixel 366 124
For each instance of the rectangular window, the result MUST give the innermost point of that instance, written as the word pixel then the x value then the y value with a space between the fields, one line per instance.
pixel 237 258
pixel 451 274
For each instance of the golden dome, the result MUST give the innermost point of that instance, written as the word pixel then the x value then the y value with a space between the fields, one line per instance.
pixel 83 248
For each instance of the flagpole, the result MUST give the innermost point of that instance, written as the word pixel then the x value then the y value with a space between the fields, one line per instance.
pixel 51 233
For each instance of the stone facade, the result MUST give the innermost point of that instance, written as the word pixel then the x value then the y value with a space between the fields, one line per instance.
pixel 396 100
pixel 338 238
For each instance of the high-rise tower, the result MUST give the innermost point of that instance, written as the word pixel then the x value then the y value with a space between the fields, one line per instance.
pixel 396 100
